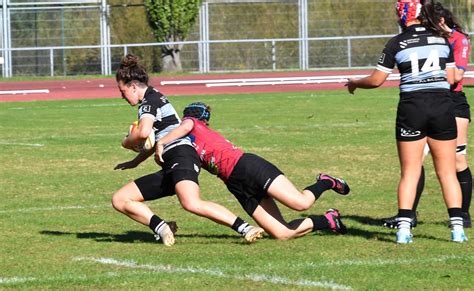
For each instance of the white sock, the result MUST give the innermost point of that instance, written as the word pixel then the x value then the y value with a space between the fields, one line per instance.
pixel 244 228
pixel 160 227
pixel 456 223
pixel 404 223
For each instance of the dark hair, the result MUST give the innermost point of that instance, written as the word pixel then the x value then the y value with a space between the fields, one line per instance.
pixel 130 70
pixel 198 110
pixel 430 18
pixel 449 19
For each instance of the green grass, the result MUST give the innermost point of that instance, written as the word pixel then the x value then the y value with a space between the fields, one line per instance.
pixel 59 231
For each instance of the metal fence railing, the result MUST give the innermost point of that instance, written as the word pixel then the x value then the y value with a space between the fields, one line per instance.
pixel 262 54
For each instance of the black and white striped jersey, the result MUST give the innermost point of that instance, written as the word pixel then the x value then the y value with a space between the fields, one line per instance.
pixel 156 106
pixel 421 57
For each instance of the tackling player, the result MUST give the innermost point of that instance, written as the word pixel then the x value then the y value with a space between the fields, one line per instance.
pixel 255 182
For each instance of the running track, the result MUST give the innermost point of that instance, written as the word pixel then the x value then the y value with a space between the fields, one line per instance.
pixel 107 88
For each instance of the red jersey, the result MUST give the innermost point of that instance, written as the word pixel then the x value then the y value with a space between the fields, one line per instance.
pixel 461 48
pixel 218 155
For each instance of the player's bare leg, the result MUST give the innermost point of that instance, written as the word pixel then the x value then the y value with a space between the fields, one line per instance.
pixel 189 197
pixel 129 200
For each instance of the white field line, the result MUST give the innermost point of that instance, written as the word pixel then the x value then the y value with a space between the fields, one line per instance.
pixel 14 92
pixel 68 106
pixel 16 280
pixel 216 273
pixel 22 144
pixel 57 208
pixel 13 280
pixel 62 208
pixel 382 262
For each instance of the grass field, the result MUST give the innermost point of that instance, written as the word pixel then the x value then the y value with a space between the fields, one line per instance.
pixel 59 231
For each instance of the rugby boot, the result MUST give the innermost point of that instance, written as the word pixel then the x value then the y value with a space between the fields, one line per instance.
pixel 338 185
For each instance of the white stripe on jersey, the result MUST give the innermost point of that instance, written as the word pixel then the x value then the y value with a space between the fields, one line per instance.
pixel 384 69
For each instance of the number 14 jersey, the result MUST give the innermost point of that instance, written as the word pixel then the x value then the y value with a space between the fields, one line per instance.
pixel 421 57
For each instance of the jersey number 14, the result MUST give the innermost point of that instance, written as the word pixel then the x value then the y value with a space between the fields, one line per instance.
pixel 431 63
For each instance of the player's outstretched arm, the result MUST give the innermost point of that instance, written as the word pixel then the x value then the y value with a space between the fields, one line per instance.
pixel 181 131
pixel 374 80
pixel 142 155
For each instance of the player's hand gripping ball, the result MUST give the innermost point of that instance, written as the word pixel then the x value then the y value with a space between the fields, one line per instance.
pixel 148 144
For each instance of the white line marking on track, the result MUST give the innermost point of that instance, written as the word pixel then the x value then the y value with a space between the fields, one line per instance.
pixel 216 272
pixel 14 92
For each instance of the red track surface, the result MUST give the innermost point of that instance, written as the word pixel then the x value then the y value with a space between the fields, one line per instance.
pixel 107 88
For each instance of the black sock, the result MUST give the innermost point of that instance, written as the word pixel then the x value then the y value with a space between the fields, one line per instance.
pixel 319 187
pixel 319 222
pixel 240 226
pixel 406 213
pixel 465 181
pixel 454 212
pixel 155 223
pixel 419 189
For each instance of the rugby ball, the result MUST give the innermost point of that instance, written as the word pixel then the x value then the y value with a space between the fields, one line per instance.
pixel 148 144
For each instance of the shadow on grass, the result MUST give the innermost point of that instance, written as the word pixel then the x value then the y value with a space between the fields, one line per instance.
pixel 371 235
pixel 135 236
pixel 364 219
pixel 384 234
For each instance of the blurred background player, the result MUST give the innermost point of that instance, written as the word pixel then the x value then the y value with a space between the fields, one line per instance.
pixel 255 182
pixel 181 165
pixel 459 41
pixel 425 111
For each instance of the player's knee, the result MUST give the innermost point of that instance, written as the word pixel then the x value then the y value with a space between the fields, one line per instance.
pixel 118 202
pixel 302 205
pixel 191 206
pixel 282 236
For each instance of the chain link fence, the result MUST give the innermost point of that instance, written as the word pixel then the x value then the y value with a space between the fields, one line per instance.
pixel 52 38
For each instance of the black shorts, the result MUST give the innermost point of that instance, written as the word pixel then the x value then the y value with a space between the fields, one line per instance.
pixel 250 179
pixel 422 114
pixel 155 186
pixel 180 163
pixel 461 107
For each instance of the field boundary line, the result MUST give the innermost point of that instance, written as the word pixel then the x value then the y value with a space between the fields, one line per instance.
pixel 215 272
pixel 13 280
pixel 22 144
pixel 60 208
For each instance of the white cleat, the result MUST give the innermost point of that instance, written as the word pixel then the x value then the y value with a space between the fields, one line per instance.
pixel 458 236
pixel 404 237
pixel 166 235
pixel 253 234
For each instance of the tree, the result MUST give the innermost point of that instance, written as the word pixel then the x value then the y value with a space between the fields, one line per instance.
pixel 171 21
